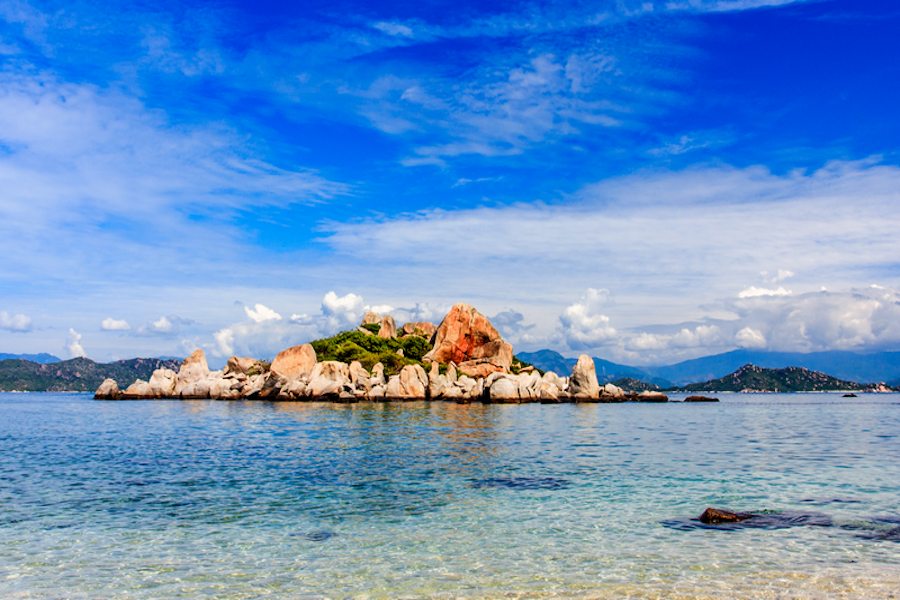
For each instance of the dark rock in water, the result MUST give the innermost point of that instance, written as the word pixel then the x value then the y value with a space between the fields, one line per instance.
pixel 700 399
pixel 821 501
pixel 319 536
pixel 880 529
pixel 523 483
pixel 760 520
pixel 715 516
pixel 849 395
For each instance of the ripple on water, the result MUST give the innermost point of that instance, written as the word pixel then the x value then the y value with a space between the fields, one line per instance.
pixel 243 500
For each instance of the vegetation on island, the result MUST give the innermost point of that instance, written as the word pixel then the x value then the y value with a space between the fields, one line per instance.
pixel 751 378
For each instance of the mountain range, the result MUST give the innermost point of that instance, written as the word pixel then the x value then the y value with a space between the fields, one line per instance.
pixel 43 358
pixel 75 375
pixel 849 366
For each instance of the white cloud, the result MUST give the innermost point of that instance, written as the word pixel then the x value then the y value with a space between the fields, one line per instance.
pixel 261 313
pixel 166 326
pixel 750 338
pixel 752 292
pixel 73 344
pixel 583 326
pixel 15 322
pixel 110 324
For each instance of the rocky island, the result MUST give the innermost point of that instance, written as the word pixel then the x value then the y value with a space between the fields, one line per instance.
pixel 464 359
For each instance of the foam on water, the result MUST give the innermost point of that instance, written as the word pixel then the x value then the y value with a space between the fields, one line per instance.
pixel 167 499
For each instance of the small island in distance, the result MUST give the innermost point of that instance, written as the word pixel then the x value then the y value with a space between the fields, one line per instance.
pixel 464 359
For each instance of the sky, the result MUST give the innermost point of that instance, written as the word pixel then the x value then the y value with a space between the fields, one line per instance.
pixel 646 182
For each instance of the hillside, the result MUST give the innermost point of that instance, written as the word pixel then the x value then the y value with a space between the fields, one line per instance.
pixel 75 375
pixel 751 378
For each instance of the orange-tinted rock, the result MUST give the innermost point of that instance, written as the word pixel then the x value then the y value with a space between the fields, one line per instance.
pixel 467 338
pixel 423 329
pixel 388 328
pixel 295 360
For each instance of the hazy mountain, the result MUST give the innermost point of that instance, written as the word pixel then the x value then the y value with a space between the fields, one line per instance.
pixel 42 358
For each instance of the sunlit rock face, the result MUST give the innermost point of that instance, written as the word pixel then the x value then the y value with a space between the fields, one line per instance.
pixel 467 338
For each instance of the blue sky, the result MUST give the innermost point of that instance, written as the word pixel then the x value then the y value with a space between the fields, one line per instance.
pixel 643 181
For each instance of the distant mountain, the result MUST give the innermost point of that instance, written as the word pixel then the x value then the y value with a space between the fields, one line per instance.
pixel 751 378
pixel 861 368
pixel 75 375
pixel 549 360
pixel 633 385
pixel 42 358
pixel 607 371
pixel 849 366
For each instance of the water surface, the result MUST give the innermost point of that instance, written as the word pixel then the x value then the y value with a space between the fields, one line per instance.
pixel 187 499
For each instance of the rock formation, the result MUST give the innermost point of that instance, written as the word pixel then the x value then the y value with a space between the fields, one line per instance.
pixel 467 338
pixel 473 357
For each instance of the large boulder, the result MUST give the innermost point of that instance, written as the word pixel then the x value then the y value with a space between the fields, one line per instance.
pixel 108 390
pixel 359 377
pixel 295 360
pixel 162 383
pixel 388 328
pixel 504 389
pixel 193 369
pixel 378 375
pixel 242 365
pixel 328 378
pixel 410 384
pixel 583 383
pixel 467 338
pixel 138 389
pixel 371 318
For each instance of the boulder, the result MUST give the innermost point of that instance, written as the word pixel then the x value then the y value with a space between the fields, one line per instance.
pixel 162 383
pixel 193 369
pixel 411 383
pixel 451 372
pixel 371 318
pixel 271 389
pixel 613 393
pixel 138 389
pixel 529 386
pixel 240 365
pixel 583 383
pixel 437 383
pixel 422 329
pixel 467 338
pixel 504 389
pixel 295 360
pixel 378 375
pixel 359 377
pixel 651 396
pixel 108 390
pixel 328 378
pixel 388 328
pixel 220 388
pixel 377 392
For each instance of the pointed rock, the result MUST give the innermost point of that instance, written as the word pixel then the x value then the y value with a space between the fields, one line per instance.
pixel 583 383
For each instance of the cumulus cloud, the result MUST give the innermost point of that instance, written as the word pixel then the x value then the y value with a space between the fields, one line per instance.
pixel 10 322
pixel 750 338
pixel 779 276
pixel 73 344
pixel 110 324
pixel 261 313
pixel 583 326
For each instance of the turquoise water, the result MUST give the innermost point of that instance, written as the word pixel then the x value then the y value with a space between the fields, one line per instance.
pixel 169 499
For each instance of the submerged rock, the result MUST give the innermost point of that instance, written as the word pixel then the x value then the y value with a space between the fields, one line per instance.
pixel 700 399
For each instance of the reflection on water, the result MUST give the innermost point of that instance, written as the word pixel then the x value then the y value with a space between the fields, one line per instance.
pixel 438 500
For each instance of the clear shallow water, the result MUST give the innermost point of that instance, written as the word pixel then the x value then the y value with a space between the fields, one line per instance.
pixel 168 499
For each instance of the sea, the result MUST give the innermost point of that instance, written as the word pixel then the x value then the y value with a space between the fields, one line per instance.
pixel 420 500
